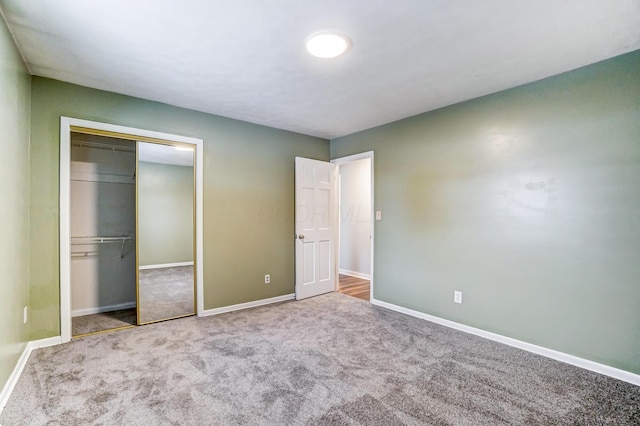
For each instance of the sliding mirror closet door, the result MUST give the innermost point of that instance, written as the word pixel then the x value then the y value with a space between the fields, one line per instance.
pixel 165 232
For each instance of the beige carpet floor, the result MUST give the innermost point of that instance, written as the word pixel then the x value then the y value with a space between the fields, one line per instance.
pixel 331 359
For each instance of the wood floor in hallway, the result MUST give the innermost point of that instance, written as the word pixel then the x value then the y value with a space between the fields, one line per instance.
pixel 353 286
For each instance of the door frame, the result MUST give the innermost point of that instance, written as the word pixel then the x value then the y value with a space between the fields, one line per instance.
pixel 66 125
pixel 346 160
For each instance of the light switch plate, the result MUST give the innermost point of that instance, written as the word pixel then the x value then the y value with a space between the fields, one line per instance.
pixel 378 214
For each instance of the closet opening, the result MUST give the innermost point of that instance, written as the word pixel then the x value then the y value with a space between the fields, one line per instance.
pixel 130 227
pixel 103 216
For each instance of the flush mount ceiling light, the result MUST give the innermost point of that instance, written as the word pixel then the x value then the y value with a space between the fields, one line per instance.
pixel 328 45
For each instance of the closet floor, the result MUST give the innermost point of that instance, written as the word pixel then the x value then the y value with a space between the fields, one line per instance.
pixel 104 321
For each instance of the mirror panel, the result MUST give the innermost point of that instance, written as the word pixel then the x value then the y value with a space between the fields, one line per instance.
pixel 165 232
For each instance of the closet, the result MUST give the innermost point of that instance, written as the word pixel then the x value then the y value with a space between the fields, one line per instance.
pixel 132 232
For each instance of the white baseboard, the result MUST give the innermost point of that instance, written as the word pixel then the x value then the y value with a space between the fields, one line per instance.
pixel 22 361
pixel 247 305
pixel 596 367
pixel 13 378
pixel 43 343
pixel 355 274
pixel 100 309
pixel 165 265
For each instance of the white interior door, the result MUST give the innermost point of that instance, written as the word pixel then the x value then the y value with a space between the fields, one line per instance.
pixel 316 227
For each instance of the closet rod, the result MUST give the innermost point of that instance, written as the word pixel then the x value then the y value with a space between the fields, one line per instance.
pixel 75 241
pixel 104 146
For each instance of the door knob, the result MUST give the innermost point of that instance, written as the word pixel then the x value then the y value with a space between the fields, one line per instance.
pixel 301 237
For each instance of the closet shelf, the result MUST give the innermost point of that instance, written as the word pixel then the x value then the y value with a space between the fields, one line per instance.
pixel 76 241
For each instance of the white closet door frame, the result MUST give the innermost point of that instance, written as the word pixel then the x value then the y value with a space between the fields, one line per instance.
pixel 65 210
pixel 346 160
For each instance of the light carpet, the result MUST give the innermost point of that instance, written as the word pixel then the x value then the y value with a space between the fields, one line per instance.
pixel 102 321
pixel 331 359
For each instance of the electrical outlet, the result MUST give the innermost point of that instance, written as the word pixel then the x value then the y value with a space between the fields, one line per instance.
pixel 378 214
pixel 267 279
pixel 24 315
pixel 457 297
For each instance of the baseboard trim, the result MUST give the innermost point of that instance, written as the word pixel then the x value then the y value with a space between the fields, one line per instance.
pixel 596 367
pixel 13 378
pixel 165 265
pixel 43 343
pixel 22 361
pixel 100 309
pixel 355 274
pixel 247 305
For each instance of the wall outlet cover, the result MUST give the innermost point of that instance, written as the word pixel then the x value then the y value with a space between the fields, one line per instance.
pixel 457 297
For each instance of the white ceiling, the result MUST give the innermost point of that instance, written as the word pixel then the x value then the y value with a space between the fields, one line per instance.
pixel 246 59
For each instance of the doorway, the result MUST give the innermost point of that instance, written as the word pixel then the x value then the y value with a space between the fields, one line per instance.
pixel 156 140
pixel 317 229
pixel 355 225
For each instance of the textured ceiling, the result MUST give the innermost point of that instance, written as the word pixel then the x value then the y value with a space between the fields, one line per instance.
pixel 246 59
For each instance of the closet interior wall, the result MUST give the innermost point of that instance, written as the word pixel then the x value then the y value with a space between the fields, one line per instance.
pixel 103 194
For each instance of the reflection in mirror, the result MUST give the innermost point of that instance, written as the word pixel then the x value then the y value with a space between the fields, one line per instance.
pixel 165 226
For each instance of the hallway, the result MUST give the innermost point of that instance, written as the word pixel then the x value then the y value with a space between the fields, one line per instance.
pixel 353 286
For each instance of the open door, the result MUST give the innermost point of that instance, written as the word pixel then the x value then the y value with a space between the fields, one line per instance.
pixel 316 227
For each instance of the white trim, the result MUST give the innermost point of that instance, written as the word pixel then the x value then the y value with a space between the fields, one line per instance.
pixel 43 343
pixel 596 367
pixel 348 159
pixel 166 265
pixel 247 305
pixel 355 274
pixel 199 270
pixel 100 309
pixel 22 362
pixel 13 378
pixel 65 228
pixel 65 197
pixel 354 157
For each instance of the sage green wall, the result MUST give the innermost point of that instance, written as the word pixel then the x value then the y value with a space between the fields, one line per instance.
pixel 165 213
pixel 248 193
pixel 527 201
pixel 14 202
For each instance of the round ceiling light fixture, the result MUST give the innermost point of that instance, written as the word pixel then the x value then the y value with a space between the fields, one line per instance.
pixel 328 45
